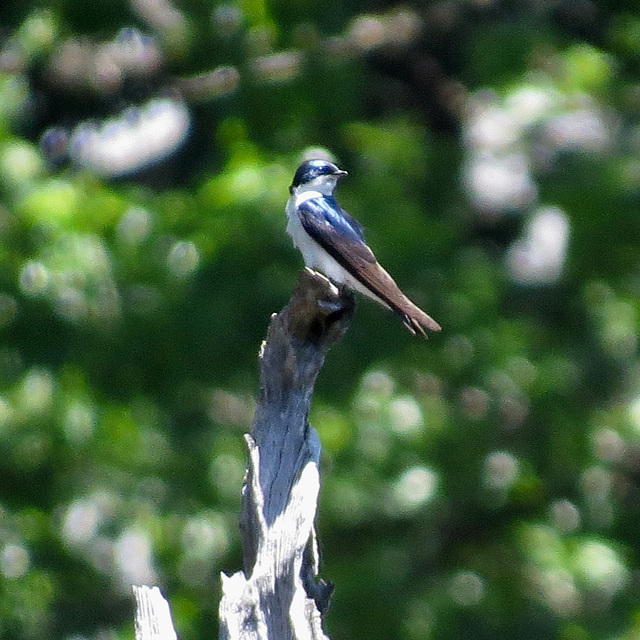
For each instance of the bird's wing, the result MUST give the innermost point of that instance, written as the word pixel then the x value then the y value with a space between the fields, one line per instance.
pixel 342 238
pixel 336 232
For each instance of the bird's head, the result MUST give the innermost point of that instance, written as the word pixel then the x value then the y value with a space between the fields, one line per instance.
pixel 316 175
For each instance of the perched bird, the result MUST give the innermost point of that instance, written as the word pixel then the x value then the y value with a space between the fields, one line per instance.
pixel 332 242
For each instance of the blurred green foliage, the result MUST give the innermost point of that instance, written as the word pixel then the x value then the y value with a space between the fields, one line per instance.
pixel 483 483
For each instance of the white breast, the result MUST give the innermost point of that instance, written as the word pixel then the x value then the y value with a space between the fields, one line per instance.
pixel 315 257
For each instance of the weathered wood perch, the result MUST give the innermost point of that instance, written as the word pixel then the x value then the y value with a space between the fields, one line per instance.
pixel 279 595
pixel 153 616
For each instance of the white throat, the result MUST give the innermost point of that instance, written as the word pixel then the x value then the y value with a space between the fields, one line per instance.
pixel 322 184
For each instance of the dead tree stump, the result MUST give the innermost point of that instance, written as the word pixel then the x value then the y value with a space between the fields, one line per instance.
pixel 279 594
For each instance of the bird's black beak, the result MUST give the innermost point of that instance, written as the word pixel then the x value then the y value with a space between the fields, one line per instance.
pixel 341 173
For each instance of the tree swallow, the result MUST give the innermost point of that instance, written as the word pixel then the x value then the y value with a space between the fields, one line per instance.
pixel 332 242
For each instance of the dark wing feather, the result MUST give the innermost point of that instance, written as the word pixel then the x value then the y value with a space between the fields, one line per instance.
pixel 341 236
pixel 338 234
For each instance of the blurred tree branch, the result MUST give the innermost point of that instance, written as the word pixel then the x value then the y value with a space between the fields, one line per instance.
pixel 153 616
